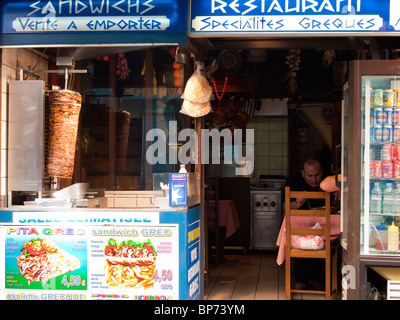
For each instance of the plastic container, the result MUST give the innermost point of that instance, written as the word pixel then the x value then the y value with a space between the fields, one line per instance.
pixel 182 169
pixel 393 238
pixel 388 199
pixel 381 237
pixel 376 199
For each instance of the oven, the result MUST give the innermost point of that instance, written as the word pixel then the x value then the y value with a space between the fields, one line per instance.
pixel 265 212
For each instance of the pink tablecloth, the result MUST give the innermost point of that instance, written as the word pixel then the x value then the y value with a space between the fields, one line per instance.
pixel 228 216
pixel 305 222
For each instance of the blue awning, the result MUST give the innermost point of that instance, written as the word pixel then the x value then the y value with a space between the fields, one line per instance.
pixel 92 22
pixel 294 18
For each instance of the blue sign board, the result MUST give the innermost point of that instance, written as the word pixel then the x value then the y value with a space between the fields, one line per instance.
pixel 291 17
pixel 194 262
pixel 177 190
pixel 93 21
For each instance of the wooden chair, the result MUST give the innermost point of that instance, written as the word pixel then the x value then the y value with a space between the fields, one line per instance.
pixel 329 253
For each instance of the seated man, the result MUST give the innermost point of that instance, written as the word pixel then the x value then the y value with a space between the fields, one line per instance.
pixel 307 271
pixel 308 179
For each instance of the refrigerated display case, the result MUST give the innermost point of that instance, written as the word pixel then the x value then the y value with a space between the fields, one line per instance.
pixel 370 156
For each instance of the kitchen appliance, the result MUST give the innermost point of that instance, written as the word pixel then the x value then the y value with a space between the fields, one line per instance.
pixel 265 212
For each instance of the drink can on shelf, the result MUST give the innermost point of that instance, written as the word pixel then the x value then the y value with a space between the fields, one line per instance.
pixel 388 116
pixel 380 117
pixel 396 169
pixel 387 169
pixel 396 117
pixel 397 98
pixel 377 98
pixel 376 168
pixel 396 152
pixel 387 152
pixel 396 134
pixel 388 98
pixel 387 134
pixel 377 133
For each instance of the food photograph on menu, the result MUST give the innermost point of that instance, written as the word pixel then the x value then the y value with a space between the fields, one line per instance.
pixel 45 258
pixel 41 260
pixel 130 263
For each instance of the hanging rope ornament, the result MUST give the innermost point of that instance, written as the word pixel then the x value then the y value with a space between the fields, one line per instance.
pixel 219 97
pixel 328 57
pixel 293 62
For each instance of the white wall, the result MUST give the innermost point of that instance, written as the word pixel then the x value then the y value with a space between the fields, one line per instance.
pixel 271 146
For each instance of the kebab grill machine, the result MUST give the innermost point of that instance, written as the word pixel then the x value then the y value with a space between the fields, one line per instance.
pixel 42 134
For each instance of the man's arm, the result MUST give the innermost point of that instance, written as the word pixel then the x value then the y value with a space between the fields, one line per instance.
pixel 296 204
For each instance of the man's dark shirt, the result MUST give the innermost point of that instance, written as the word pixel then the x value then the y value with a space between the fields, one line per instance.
pixel 297 183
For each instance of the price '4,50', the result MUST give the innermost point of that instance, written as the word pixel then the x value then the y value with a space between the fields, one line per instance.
pixel 166 275
pixel 73 281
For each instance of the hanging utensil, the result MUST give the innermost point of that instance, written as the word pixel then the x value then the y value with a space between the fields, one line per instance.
pixel 240 119
pixel 229 61
pixel 218 116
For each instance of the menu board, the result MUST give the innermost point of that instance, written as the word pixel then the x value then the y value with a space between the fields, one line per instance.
pixel 134 263
pixel 90 262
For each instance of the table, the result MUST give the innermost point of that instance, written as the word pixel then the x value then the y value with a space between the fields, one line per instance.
pixel 305 222
pixel 228 216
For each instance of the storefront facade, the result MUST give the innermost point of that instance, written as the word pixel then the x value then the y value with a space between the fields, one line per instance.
pixel 340 31
pixel 129 63
pixel 117 61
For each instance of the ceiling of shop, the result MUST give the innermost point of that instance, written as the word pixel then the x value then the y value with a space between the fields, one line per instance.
pixel 316 43
pixel 200 45
pixel 260 80
pixel 89 52
pixel 315 79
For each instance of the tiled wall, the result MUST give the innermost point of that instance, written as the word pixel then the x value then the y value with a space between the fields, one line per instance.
pixel 12 60
pixel 271 146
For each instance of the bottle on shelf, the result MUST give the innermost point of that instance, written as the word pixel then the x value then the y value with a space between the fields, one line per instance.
pixel 388 199
pixel 393 238
pixel 376 199
pixel 182 169
pixel 381 237
pixel 396 204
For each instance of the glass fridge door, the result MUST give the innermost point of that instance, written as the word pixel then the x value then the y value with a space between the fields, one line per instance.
pixel 380 179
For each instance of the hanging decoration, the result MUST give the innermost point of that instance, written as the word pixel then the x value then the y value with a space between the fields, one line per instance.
pixel 197 96
pixel 328 57
pixel 293 62
pixel 219 97
pixel 122 67
pixel 232 115
pixel 219 116
pixel 229 61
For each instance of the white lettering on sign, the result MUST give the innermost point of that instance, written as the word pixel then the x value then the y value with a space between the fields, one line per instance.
pixel 112 23
pixel 345 23
pixel 74 7
pixel 285 6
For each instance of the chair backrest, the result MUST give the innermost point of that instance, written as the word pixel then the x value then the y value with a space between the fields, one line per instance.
pixel 313 215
